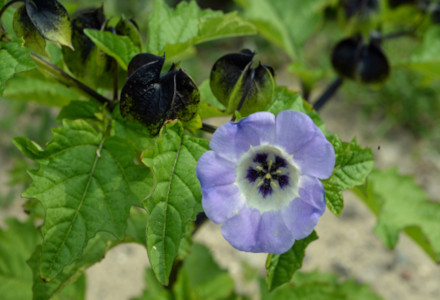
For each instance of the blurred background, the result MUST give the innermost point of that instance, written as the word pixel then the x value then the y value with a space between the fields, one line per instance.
pixel 398 117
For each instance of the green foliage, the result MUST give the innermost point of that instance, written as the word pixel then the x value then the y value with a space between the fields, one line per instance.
pixel 285 100
pixel 154 290
pixel 16 246
pixel 201 278
pixel 93 253
pixel 279 21
pixel 135 133
pixel 174 31
pixel 176 198
pixel 320 286
pixel 425 59
pixel 87 182
pixel 281 267
pixel 353 164
pixel 14 58
pixel 90 111
pixel 401 205
pixel 34 86
pixel 121 48
pixel 333 287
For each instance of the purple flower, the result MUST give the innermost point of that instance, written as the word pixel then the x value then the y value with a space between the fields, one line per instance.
pixel 261 181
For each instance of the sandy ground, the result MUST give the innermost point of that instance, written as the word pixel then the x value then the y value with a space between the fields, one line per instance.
pixel 347 244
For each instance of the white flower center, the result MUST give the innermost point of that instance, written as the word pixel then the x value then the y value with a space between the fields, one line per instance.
pixel 267 177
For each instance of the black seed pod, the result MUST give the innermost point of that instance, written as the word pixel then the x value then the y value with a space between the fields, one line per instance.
pixel 396 3
pixel 151 98
pixel 51 19
pixel 233 80
pixel 86 61
pixel 352 59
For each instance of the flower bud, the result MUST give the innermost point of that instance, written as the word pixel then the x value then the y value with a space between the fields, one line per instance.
pixel 234 81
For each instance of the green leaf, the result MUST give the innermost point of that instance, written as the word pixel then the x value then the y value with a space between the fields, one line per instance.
pixel 93 253
pixel 201 278
pixel 24 28
pixel 51 20
pixel 329 286
pixel 85 110
pixel 353 164
pixel 286 23
pixel 281 267
pixel 136 224
pixel 76 290
pixel 14 58
pixel 135 133
pixel 167 26
pixel 176 199
pixel 34 86
pixel 315 291
pixel 121 48
pixel 128 28
pixel 426 60
pixel 16 246
pixel 173 31
pixel 155 290
pixel 284 99
pixel 401 205
pixel 87 183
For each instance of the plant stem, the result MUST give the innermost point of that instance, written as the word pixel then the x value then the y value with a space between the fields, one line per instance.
pixel 328 93
pixel 88 90
pixel 208 128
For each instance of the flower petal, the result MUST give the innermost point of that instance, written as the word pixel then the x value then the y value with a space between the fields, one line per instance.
pixel 232 139
pixel 213 170
pixel 303 213
pixel 294 130
pixel 221 203
pixel 299 136
pixel 273 235
pixel 240 230
pixel 316 158
pixel 254 232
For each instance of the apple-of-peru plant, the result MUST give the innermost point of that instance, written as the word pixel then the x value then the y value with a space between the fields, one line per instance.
pixel 134 157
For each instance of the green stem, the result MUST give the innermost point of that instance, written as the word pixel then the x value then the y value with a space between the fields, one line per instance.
pixel 86 89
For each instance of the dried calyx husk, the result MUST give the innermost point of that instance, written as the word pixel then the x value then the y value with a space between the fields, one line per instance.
pixel 40 20
pixel 86 61
pixel 356 60
pixel 234 81
pixel 152 98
